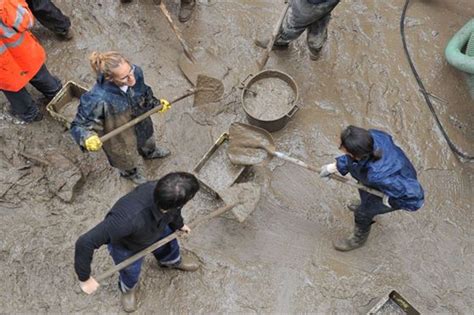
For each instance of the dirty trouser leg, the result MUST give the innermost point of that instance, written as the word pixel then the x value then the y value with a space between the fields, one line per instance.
pixel 168 254
pixel 49 15
pixel 130 275
pixel 317 34
pixel 370 207
pixel 46 83
pixel 22 105
pixel 301 14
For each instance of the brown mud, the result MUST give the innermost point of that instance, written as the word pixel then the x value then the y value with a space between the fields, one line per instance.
pixel 280 260
pixel 269 99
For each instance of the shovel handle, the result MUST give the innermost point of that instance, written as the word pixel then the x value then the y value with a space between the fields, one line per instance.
pixel 341 179
pixel 177 32
pixel 263 60
pixel 138 119
pixel 127 262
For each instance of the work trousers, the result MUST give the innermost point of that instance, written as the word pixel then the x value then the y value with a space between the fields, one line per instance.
pixel 22 105
pixel 370 206
pixel 166 255
pixel 49 16
pixel 303 15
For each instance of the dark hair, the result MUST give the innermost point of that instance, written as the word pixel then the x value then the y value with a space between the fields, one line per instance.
pixel 174 190
pixel 359 143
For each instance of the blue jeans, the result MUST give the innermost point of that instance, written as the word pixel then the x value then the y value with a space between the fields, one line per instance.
pixel 167 255
pixel 370 206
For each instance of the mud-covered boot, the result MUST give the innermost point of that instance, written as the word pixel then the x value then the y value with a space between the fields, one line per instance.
pixel 158 153
pixel 66 35
pixel 263 43
pixel 187 263
pixel 353 205
pixel 355 240
pixel 186 10
pixel 130 299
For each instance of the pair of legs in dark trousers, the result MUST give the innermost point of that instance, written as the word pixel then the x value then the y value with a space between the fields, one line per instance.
pixel 302 16
pixel 22 105
pixel 369 207
pixel 49 16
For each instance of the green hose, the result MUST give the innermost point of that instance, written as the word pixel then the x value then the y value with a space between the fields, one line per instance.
pixel 464 38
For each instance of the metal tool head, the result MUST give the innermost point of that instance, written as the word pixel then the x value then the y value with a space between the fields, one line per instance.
pixel 249 145
pixel 245 195
pixel 208 90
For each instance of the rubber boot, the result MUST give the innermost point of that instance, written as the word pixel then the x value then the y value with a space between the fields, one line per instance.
pixel 186 10
pixel 129 299
pixel 355 240
pixel 353 205
pixel 263 43
pixel 158 153
pixel 187 263
pixel 66 35
pixel 134 175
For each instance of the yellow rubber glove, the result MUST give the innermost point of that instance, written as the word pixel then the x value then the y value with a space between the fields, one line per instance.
pixel 166 105
pixel 93 143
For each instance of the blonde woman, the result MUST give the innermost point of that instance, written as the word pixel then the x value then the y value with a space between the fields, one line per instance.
pixel 119 95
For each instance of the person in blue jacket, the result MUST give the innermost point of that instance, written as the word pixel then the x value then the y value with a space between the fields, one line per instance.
pixel 119 95
pixel 372 158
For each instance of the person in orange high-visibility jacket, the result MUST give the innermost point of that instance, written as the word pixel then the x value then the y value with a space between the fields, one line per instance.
pixel 22 60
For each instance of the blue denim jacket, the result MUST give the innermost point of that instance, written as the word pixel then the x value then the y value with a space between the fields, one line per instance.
pixel 392 174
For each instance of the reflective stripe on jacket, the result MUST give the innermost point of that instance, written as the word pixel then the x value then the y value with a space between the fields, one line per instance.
pixel 21 55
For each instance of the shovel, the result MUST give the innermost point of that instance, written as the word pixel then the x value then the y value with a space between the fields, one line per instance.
pixel 207 90
pixel 197 61
pixel 243 204
pixel 250 145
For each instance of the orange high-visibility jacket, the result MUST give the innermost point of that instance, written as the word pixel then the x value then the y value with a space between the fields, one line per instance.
pixel 21 55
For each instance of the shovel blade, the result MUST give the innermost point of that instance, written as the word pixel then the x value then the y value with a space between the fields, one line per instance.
pixel 208 90
pixel 249 145
pixel 246 195
pixel 206 63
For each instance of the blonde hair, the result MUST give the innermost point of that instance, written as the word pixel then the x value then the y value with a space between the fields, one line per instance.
pixel 103 63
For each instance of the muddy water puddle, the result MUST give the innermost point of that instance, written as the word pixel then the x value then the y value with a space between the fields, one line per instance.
pixel 269 99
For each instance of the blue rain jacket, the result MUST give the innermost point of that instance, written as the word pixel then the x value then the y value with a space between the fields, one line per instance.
pixel 106 107
pixel 393 174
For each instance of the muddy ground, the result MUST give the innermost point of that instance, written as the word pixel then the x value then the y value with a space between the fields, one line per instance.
pixel 280 259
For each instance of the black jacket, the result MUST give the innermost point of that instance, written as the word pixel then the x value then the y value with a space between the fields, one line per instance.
pixel 134 222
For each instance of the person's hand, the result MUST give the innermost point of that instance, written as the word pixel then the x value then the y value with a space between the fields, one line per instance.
pixel 89 286
pixel 166 105
pixel 328 169
pixel 185 229
pixel 93 143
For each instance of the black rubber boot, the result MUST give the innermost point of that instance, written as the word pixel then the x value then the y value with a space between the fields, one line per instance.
pixel 158 153
pixel 186 10
pixel 353 206
pixel 263 43
pixel 355 240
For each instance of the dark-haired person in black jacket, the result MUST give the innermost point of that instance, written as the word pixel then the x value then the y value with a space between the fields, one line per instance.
pixel 310 15
pixel 137 220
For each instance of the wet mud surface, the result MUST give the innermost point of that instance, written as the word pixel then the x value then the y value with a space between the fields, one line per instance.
pixel 280 259
pixel 269 99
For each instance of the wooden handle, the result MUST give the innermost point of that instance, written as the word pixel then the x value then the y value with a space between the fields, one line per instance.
pixel 160 243
pixel 332 176
pixel 138 119
pixel 263 60
pixel 177 32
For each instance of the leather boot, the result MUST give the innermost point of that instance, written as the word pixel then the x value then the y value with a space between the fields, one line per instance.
pixel 187 263
pixel 130 299
pixel 355 240
pixel 186 9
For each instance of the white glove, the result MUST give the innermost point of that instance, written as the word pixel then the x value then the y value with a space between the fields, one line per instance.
pixel 328 169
